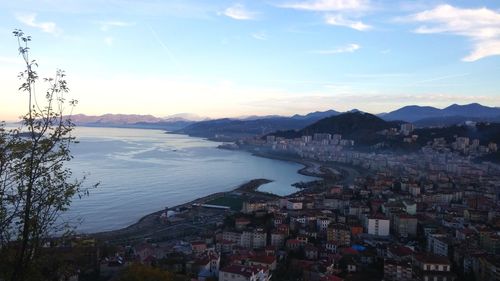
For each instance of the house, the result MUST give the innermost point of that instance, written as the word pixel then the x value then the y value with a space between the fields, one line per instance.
pixel 266 261
pixel 198 247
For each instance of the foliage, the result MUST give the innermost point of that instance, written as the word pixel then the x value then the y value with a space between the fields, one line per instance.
pixel 138 272
pixel 35 184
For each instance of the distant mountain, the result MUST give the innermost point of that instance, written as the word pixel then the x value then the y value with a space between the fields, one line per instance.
pixel 130 121
pixel 316 115
pixel 252 125
pixel 414 113
pixel 114 119
pixel 185 117
pixel 358 126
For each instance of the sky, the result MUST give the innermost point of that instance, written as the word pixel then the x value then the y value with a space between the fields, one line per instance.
pixel 237 58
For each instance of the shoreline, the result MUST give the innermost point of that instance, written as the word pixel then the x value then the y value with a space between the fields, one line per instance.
pixel 149 223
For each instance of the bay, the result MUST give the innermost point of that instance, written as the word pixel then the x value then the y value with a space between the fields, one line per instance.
pixel 143 171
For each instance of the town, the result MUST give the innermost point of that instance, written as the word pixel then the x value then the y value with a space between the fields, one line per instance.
pixel 428 215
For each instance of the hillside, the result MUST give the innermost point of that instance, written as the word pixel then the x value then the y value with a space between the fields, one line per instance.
pixel 358 126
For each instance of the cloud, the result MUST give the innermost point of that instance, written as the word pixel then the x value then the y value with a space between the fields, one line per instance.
pixel 30 20
pixel 329 5
pixel 239 12
pixel 351 48
pixel 339 20
pixel 259 35
pixel 107 25
pixel 481 26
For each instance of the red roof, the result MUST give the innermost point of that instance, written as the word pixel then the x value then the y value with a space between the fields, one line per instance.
pixel 264 259
pixel 400 251
pixel 246 271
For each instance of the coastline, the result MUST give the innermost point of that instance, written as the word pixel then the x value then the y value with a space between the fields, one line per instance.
pixel 149 224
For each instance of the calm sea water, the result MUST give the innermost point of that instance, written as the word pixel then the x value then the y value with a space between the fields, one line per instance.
pixel 142 171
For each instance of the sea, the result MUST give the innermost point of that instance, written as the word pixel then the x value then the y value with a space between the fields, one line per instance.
pixel 141 171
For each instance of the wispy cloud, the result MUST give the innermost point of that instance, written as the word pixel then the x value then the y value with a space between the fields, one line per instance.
pixel 107 25
pixel 239 12
pixel 344 10
pixel 481 26
pixel 329 5
pixel 30 20
pixel 261 35
pixel 445 77
pixel 339 20
pixel 351 48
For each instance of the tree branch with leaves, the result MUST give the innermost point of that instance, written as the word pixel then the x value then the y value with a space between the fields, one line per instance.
pixel 36 186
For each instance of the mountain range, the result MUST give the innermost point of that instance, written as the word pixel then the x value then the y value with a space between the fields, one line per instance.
pixel 415 113
pixel 421 116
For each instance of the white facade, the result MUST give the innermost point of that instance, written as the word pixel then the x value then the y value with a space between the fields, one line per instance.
pixel 379 227
pixel 294 205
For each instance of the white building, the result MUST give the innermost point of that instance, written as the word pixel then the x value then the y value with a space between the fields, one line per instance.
pixel 378 225
pixel 294 205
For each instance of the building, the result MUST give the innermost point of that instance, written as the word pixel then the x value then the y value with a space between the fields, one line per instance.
pixel 437 244
pixel 244 273
pixel 430 267
pixel 294 204
pixel 339 234
pixel 405 225
pixel 378 225
pixel 406 128
pixel 259 239
pixel 397 270
pixel 277 239
pixel 253 206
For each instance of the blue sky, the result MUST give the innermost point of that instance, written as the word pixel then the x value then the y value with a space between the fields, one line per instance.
pixel 235 58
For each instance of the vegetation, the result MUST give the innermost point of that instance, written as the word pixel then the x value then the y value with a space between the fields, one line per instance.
pixel 35 185
pixel 357 126
pixel 138 272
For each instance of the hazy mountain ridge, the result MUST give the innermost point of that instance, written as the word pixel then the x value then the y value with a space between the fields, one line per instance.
pixel 414 113
pixel 194 125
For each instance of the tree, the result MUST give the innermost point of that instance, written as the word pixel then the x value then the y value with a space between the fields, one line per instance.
pixel 36 186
